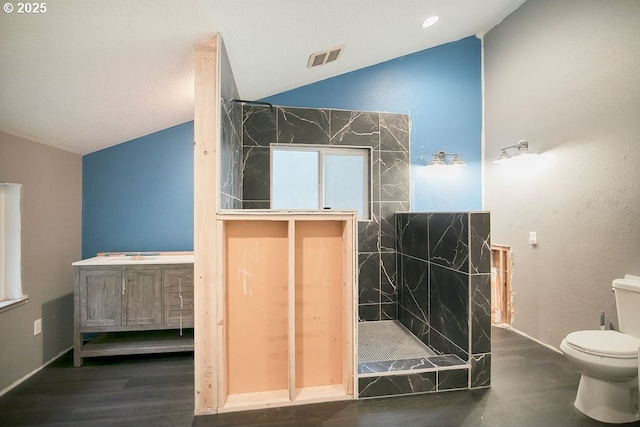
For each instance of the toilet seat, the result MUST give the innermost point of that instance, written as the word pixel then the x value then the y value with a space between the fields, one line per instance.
pixel 604 343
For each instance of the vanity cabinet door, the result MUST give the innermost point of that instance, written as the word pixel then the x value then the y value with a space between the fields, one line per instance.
pixel 100 297
pixel 177 291
pixel 142 297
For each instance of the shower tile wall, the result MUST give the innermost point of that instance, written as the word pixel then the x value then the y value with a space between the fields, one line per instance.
pixel 387 135
pixel 444 272
pixel 230 138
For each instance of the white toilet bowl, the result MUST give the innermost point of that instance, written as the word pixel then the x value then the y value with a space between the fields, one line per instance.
pixel 608 360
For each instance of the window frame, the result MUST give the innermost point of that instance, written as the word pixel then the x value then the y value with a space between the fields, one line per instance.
pixel 365 152
pixel 11 294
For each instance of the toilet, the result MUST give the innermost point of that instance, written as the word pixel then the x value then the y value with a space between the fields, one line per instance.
pixel 608 360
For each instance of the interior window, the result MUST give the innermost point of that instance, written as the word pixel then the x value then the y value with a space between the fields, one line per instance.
pixel 312 177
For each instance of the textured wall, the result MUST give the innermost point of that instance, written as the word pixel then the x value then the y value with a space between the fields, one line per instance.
pixel 564 75
pixel 138 196
pixel 51 213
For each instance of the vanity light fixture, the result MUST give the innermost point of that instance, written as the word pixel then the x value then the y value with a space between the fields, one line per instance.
pixel 522 148
pixel 440 159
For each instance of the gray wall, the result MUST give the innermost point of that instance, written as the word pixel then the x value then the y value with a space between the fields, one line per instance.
pixel 565 76
pixel 51 225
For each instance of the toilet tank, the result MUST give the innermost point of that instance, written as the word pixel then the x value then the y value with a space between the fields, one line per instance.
pixel 627 293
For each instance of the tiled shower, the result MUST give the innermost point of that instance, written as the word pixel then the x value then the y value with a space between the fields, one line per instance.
pixel 425 274
pixel 387 135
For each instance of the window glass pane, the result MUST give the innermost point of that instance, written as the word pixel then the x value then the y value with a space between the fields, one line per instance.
pixel 294 179
pixel 344 184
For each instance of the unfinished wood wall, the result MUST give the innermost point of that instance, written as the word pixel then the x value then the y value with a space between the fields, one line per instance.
pixel 256 306
pixel 286 331
pixel 205 201
pixel 274 293
pixel 501 309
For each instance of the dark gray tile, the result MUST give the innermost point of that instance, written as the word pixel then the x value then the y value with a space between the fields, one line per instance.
pixel 480 370
pixel 414 296
pixel 388 311
pixel 368 312
pixel 303 126
pixel 480 243
pixel 394 176
pixel 446 360
pixel 394 132
pixel 418 327
pixel 445 346
pixel 355 128
pixel 449 305
pixel 449 240
pixel 256 204
pixel 369 232
pixel 388 279
pixel 396 384
pixel 256 174
pixel 480 313
pixel 369 278
pixel 453 379
pixel 388 224
pixel 394 365
pixel 413 239
pixel 375 176
pixel 259 126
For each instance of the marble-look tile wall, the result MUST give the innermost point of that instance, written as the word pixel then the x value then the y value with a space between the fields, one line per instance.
pixel 387 135
pixel 230 137
pixel 444 276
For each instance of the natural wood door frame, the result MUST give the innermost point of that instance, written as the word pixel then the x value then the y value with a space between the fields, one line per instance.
pixel 501 296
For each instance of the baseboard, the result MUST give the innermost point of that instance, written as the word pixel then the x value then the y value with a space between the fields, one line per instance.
pixel 519 332
pixel 30 374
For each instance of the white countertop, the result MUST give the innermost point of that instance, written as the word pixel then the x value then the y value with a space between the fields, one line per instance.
pixel 136 260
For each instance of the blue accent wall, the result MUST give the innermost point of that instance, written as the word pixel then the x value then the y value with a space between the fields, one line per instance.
pixel 138 196
pixel 441 89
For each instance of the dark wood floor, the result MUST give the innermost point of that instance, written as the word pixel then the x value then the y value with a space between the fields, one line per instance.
pixel 531 386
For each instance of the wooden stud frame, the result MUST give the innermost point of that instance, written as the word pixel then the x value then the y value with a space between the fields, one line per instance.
pixel 501 287
pixel 333 232
pixel 213 391
pixel 205 200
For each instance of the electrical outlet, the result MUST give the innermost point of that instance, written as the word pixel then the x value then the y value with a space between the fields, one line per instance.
pixel 37 327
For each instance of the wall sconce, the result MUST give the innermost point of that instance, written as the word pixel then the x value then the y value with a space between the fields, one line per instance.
pixel 440 158
pixel 522 148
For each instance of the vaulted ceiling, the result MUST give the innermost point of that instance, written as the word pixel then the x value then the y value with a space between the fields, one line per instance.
pixel 87 74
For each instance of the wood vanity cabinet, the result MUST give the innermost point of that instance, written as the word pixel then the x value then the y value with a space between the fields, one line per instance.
pixel 115 304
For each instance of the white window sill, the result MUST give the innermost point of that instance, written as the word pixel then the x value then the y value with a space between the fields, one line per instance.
pixel 8 304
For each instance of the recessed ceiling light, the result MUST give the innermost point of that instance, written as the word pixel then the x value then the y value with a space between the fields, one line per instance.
pixel 430 21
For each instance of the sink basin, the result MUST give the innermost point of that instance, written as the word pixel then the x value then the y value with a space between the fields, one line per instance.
pixel 133 258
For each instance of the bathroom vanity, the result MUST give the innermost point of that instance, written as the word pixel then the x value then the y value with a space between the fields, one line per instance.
pixel 133 304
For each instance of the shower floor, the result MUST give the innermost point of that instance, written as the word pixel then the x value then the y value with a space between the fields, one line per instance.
pixel 388 340
pixel 387 346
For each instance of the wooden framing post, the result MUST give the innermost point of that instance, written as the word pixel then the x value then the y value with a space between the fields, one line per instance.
pixel 205 195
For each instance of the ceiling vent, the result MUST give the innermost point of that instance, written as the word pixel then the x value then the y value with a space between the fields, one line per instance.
pixel 325 56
